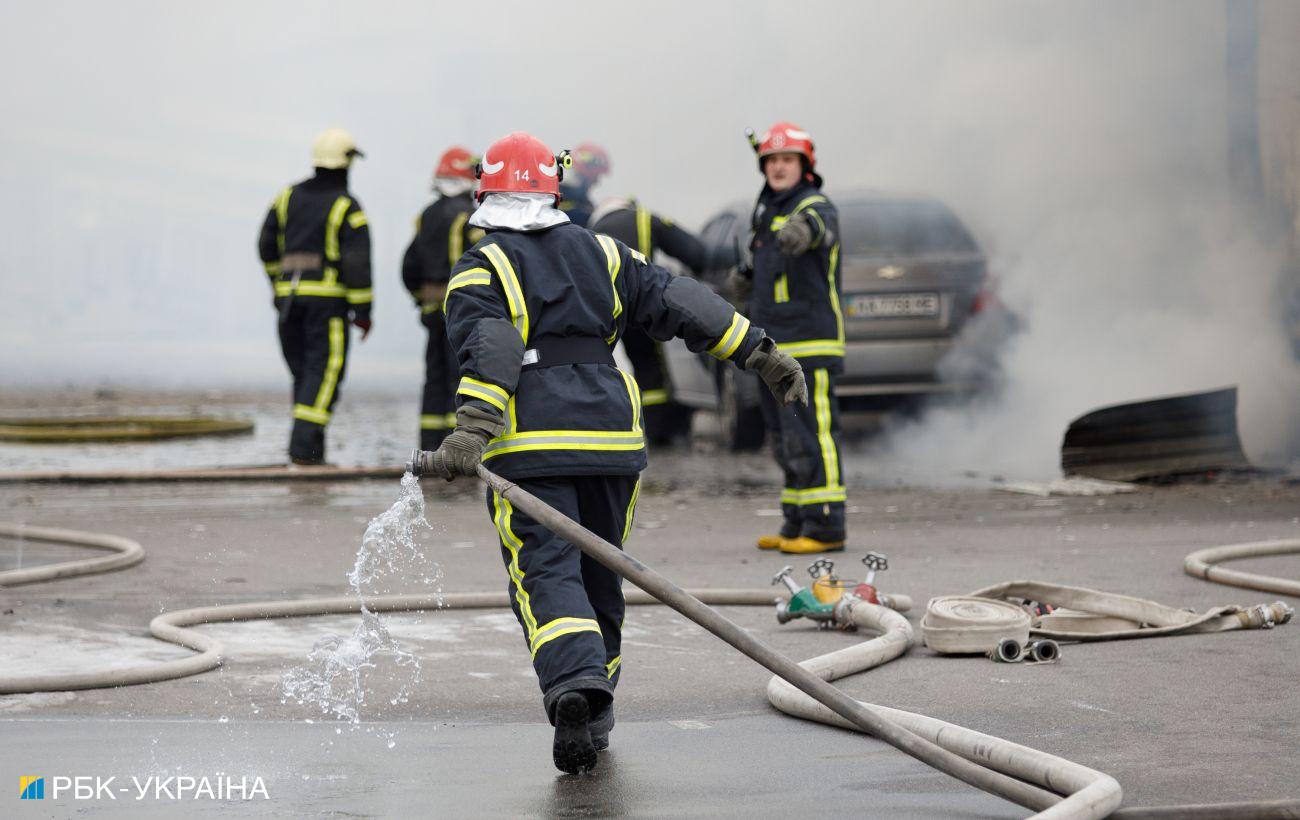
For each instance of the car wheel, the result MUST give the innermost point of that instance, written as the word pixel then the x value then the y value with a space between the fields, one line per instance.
pixel 743 429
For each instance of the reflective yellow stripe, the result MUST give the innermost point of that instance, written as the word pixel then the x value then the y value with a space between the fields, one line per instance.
pixel 360 296
pixel 333 366
pixel 804 203
pixel 272 268
pixel 444 421
pixel 592 440
pixel 730 341
pixel 490 393
pixel 559 628
pixel 282 216
pixel 821 226
pixel 778 222
pixel 649 398
pixel 835 294
pixel 643 233
pixel 813 347
pixel 284 288
pixel 513 545
pixel 357 219
pixel 456 239
pixel 473 276
pixel 631 510
pixel 613 666
pixel 782 289
pixel 614 262
pixel 432 307
pixel 514 291
pixel 815 495
pixel 634 396
pixel 332 226
pixel 306 413
pixel 822 405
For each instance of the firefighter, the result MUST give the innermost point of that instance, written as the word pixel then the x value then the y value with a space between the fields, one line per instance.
pixel 534 311
pixel 315 247
pixel 635 226
pixel 590 163
pixel 442 233
pixel 793 291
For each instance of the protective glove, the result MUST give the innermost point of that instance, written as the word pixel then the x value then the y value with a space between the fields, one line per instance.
pixel 740 285
pixel 462 451
pixel 795 236
pixel 780 372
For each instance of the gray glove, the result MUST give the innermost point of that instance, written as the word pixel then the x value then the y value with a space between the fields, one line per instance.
pixel 740 285
pixel 779 371
pixel 462 451
pixel 795 236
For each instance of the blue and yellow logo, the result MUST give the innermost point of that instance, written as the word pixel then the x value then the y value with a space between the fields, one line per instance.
pixel 31 788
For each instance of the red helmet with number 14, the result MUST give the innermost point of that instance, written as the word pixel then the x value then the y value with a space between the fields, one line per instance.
pixel 520 164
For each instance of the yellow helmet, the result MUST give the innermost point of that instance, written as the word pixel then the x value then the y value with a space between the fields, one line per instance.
pixel 334 148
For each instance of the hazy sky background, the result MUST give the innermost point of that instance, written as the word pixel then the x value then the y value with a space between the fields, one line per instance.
pixel 1084 143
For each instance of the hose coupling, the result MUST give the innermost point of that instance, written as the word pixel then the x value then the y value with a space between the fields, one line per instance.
pixel 1008 650
pixel 1045 650
pixel 420 462
pixel 1266 616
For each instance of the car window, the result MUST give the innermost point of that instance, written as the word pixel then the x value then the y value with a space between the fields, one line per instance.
pixel 902 228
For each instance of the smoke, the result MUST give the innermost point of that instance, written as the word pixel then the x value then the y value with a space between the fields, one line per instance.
pixel 1084 142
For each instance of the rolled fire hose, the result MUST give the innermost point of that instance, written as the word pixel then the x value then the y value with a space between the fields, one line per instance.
pixel 1096 796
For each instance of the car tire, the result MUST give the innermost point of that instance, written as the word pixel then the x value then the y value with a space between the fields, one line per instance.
pixel 743 429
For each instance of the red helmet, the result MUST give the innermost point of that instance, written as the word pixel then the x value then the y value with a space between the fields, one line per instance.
pixel 590 162
pixel 456 163
pixel 787 137
pixel 520 164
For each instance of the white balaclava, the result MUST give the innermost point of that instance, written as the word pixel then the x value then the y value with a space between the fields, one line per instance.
pixel 518 212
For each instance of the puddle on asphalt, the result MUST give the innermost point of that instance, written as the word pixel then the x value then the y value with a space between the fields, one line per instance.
pixel 335 679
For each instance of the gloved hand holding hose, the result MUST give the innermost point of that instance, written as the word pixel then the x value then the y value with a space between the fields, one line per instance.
pixel 780 372
pixel 462 451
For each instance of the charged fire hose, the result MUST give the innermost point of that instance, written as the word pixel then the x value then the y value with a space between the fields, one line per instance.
pixel 1204 564
pixel 126 553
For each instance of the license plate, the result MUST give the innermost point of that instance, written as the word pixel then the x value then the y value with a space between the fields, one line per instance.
pixel 893 305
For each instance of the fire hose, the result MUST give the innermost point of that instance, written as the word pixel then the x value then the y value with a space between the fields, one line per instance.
pixel 1025 776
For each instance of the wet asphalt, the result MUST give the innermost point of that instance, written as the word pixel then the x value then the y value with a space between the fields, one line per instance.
pixel 1200 718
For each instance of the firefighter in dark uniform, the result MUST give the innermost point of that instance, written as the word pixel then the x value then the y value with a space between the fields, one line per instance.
pixel 534 311
pixel 315 247
pixel 635 226
pixel 442 233
pixel 590 163
pixel 794 293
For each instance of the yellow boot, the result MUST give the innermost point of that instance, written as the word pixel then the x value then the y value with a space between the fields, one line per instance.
pixel 771 542
pixel 803 545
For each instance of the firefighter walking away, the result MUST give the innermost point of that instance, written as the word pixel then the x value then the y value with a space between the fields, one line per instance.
pixel 534 311
pixel 793 290
pixel 442 234
pixel 315 247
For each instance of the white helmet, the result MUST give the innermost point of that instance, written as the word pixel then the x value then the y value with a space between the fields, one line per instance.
pixel 334 148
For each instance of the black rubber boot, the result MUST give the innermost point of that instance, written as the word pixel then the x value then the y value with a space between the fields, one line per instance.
pixel 573 750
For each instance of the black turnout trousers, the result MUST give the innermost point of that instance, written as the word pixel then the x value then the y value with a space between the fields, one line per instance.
pixel 570 606
pixel 314 340
pixel 441 374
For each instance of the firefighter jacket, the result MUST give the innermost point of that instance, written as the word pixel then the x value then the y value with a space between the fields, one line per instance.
pixel 797 298
pixel 534 316
pixel 316 233
pixel 442 233
pixel 638 228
